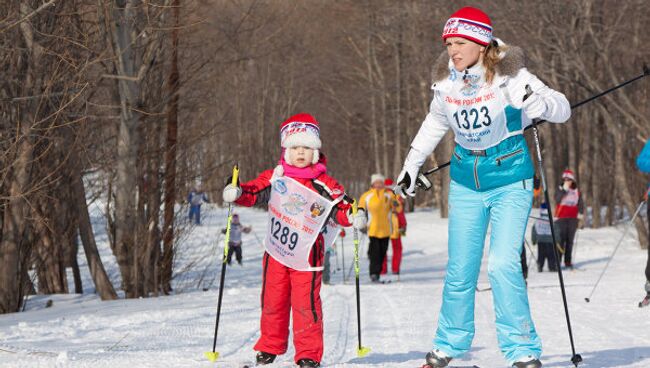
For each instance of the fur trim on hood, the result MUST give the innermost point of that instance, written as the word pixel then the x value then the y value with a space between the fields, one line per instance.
pixel 513 60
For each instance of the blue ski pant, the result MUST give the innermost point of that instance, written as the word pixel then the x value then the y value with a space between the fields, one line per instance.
pixel 506 209
pixel 195 212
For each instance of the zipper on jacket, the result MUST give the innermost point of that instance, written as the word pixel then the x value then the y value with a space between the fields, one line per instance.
pixel 478 185
pixel 499 159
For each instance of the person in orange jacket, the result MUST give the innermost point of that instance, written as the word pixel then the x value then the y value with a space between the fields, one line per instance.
pixel 378 203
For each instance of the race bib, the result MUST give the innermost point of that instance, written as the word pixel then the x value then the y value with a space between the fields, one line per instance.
pixel 330 232
pixel 296 216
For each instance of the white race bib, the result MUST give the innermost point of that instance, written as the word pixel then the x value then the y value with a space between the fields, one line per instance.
pixel 330 232
pixel 296 216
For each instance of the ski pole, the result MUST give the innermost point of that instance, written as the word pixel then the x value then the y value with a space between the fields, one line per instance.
pixel 627 227
pixel 343 259
pixel 352 264
pixel 259 242
pixel 575 246
pixel 530 249
pixel 575 358
pixel 214 355
pixel 361 350
pixel 424 183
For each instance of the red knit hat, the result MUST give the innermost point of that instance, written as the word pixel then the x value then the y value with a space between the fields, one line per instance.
pixel 568 174
pixel 300 130
pixel 470 23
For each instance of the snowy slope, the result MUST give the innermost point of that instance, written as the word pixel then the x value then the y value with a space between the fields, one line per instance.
pixel 398 319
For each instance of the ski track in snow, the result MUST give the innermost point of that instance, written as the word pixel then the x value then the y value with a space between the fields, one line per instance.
pixel 398 319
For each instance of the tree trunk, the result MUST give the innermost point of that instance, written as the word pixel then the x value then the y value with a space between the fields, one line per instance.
pixel 76 273
pixel 102 283
pixel 596 183
pixel 620 178
pixel 170 162
pixel 14 224
pixel 127 142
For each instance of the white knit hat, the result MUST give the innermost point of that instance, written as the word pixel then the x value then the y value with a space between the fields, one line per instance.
pixel 377 177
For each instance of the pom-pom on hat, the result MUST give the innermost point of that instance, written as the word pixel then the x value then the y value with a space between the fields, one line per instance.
pixel 300 130
pixel 568 174
pixel 469 23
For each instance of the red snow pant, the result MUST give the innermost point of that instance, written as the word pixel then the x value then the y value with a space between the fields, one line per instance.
pixel 285 289
pixel 397 257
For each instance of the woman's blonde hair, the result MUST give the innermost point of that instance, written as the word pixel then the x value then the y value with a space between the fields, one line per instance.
pixel 491 58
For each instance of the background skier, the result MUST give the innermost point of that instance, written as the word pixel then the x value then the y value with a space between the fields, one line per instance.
pixel 568 210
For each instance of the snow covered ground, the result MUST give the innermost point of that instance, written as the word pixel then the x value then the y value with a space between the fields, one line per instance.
pixel 398 319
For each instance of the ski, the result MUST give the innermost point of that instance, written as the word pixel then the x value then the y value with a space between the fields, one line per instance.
pixel 645 302
pixel 456 366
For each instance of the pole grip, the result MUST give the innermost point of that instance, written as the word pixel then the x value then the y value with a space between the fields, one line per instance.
pixel 235 174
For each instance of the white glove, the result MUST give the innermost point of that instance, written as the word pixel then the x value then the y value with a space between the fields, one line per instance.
pixel 231 193
pixel 359 221
pixel 406 181
pixel 534 106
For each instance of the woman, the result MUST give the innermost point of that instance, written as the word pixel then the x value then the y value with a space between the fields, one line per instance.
pixel 568 210
pixel 483 92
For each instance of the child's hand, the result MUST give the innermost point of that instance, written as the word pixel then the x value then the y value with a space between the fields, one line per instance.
pixel 359 220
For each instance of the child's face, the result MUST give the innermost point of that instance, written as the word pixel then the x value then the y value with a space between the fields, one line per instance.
pixel 300 156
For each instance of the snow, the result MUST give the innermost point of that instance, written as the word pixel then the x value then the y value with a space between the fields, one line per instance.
pixel 398 319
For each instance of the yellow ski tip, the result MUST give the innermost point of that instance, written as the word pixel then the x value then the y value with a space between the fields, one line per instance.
pixel 212 356
pixel 362 351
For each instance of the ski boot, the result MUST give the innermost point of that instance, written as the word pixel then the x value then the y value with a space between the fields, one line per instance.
pixel 529 362
pixel 308 363
pixel 263 358
pixel 437 359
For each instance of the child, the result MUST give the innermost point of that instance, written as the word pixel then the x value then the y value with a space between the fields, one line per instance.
pixel 292 267
pixel 196 199
pixel 234 243
pixel 541 235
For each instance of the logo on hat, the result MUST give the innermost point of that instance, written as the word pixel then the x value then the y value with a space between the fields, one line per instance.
pixel 469 23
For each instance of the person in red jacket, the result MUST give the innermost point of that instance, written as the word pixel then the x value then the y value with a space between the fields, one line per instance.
pixel 291 282
pixel 567 211
pixel 398 229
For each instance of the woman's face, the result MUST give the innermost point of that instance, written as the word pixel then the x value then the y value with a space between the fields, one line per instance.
pixel 300 156
pixel 463 52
